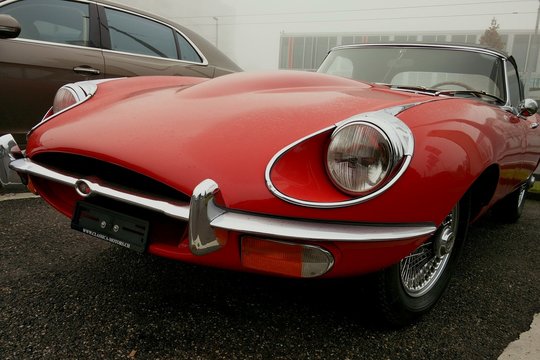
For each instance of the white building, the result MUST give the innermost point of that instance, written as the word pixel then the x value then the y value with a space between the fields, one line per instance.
pixel 297 34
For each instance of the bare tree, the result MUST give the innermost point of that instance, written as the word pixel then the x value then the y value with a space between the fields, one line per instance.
pixel 491 36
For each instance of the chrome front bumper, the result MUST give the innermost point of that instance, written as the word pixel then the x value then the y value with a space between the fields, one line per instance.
pixel 204 216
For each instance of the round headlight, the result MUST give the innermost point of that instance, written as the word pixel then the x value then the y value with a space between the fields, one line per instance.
pixel 359 158
pixel 64 98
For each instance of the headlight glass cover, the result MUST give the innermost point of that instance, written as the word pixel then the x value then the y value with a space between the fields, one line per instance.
pixel 64 98
pixel 360 158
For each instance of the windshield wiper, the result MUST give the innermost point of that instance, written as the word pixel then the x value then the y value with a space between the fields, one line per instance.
pixel 437 92
pixel 411 88
pixel 475 93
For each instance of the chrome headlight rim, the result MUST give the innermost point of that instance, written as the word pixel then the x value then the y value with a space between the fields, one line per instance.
pixel 395 155
pixel 77 92
pixel 81 91
pixel 400 136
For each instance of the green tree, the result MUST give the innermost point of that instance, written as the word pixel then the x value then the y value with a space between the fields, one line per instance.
pixel 491 36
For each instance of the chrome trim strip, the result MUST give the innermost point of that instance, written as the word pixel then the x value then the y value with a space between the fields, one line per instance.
pixel 235 221
pixel 178 211
pixel 51 43
pixel 204 61
pixel 401 139
pixel 316 230
pixel 471 48
pixel 507 88
pixel 278 155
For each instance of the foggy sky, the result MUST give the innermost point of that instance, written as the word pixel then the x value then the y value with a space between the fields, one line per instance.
pixel 249 31
pixel 349 15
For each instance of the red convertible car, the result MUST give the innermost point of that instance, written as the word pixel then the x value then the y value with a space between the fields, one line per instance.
pixel 376 164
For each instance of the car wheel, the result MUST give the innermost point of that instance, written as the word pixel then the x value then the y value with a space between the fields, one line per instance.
pixel 510 208
pixel 410 288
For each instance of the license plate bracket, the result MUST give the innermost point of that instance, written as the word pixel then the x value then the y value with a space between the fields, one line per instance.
pixel 114 227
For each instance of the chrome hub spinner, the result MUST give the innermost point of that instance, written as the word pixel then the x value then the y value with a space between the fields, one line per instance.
pixel 444 242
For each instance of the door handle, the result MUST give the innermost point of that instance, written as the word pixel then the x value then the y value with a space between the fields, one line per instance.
pixel 86 70
pixel 534 125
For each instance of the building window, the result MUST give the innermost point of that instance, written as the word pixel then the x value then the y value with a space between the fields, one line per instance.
pixel 304 52
pixel 471 39
pixel 405 38
pixel 347 40
pixel 460 39
pixel 441 38
pixel 519 50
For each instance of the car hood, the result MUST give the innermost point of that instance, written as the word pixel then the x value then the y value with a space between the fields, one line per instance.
pixel 181 131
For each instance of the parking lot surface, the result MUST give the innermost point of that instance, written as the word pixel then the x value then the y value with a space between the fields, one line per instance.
pixel 66 295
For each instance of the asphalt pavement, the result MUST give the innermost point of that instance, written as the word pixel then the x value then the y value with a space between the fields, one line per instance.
pixel 64 295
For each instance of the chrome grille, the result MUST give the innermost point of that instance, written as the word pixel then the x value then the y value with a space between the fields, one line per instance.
pixel 113 175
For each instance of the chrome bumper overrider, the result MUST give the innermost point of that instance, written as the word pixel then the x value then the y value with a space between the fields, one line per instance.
pixel 204 215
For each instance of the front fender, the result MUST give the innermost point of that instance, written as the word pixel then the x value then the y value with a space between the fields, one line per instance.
pixel 456 140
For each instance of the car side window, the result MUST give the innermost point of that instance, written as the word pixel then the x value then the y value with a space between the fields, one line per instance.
pixel 187 52
pixel 135 34
pixel 514 85
pixel 58 21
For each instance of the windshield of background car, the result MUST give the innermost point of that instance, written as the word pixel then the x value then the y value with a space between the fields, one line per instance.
pixel 431 68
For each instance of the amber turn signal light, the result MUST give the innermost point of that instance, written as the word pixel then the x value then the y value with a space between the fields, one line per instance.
pixel 283 258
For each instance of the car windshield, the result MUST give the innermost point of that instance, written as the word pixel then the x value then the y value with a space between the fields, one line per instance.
pixel 452 71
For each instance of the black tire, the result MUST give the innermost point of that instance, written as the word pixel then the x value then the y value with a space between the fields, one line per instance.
pixel 509 209
pixel 404 291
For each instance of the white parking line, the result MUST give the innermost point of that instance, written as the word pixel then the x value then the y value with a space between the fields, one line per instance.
pixel 527 347
pixel 17 196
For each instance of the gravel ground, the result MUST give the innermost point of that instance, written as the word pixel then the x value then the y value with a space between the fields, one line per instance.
pixel 66 295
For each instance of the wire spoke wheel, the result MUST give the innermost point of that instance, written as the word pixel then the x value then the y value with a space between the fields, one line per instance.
pixel 412 287
pixel 421 270
pixel 509 209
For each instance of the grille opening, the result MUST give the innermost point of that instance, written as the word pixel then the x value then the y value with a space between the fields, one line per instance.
pixel 108 174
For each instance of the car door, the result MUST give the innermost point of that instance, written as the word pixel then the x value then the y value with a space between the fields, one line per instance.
pixel 528 126
pixel 139 45
pixel 58 44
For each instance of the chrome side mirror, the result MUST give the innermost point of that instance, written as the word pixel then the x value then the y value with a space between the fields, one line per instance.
pixel 9 27
pixel 527 107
